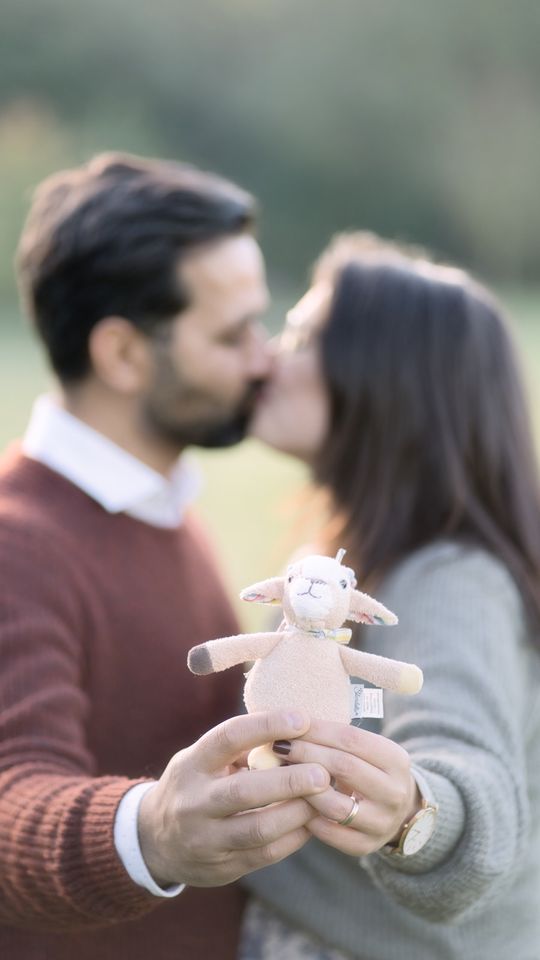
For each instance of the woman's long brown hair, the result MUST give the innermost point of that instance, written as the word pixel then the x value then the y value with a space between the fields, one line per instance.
pixel 430 435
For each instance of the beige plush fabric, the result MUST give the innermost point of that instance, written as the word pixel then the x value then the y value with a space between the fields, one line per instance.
pixel 306 664
pixel 284 678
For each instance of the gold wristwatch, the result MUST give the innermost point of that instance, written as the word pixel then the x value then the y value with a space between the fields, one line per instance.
pixel 416 832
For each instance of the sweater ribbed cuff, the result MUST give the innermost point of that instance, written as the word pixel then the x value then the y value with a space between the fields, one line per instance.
pixel 98 881
pixel 448 828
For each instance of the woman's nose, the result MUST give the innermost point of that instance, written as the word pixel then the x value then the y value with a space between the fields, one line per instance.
pixel 260 359
pixel 274 345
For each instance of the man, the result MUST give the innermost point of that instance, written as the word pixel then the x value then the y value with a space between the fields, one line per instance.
pixel 145 284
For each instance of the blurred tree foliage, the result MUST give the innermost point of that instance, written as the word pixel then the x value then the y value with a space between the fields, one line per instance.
pixel 418 119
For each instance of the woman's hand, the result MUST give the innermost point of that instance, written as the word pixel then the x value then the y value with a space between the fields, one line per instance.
pixel 364 766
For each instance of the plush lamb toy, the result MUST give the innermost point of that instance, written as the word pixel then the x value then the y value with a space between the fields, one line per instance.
pixel 306 663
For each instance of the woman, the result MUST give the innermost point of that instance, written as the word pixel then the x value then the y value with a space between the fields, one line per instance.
pixel 396 382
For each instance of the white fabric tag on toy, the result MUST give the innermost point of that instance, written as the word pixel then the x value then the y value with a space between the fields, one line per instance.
pixel 366 702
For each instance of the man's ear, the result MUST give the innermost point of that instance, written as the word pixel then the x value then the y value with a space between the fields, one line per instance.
pixel 364 609
pixel 119 354
pixel 265 591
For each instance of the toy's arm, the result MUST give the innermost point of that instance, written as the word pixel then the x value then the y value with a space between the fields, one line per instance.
pixel 386 673
pixel 216 655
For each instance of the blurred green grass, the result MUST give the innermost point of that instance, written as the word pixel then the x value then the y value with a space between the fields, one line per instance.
pixel 250 494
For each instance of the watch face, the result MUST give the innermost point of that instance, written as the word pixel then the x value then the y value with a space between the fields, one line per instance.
pixel 419 833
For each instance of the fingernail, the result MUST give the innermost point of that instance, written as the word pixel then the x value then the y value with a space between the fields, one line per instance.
pixel 318 777
pixel 296 720
pixel 283 747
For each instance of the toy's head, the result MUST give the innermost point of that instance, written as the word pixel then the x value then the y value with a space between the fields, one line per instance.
pixel 319 593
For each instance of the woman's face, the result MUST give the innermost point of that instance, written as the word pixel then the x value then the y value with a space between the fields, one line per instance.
pixel 293 413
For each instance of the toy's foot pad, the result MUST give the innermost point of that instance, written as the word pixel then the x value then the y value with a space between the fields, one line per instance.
pixel 262 758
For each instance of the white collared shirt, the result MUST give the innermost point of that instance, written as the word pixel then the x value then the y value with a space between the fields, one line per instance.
pixel 110 475
pixel 121 484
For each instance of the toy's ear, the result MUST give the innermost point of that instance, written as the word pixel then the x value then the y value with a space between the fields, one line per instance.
pixel 364 609
pixel 266 591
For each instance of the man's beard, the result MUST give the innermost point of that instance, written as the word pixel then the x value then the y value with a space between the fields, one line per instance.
pixel 204 434
pixel 210 432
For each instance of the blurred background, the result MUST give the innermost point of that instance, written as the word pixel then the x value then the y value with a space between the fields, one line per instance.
pixel 419 120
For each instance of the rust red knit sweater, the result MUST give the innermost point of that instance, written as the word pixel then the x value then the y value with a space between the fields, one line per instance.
pixel 97 612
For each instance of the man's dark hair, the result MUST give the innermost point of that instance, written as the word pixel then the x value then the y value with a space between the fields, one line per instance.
pixel 105 239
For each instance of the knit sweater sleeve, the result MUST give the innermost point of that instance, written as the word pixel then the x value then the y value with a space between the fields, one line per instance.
pixel 59 868
pixel 461 620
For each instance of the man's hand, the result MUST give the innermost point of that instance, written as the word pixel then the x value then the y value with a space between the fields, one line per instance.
pixel 206 822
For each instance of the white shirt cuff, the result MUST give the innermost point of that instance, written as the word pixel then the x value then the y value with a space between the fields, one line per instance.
pixel 126 839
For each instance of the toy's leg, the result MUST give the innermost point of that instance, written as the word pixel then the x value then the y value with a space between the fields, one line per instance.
pixel 262 758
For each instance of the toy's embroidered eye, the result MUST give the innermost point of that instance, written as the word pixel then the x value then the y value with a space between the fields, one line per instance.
pixel 343 583
pixel 289 579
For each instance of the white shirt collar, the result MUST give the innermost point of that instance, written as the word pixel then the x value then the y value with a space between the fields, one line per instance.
pixel 115 478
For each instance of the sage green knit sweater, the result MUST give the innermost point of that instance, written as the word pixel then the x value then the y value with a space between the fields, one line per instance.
pixel 474 734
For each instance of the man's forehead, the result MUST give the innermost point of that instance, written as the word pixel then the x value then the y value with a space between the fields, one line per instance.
pixel 223 264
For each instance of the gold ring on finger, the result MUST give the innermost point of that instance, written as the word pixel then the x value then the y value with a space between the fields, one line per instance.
pixel 350 816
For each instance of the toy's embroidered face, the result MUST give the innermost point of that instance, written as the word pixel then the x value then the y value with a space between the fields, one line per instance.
pixel 317 592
